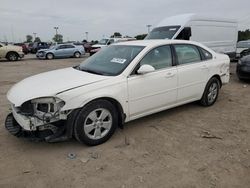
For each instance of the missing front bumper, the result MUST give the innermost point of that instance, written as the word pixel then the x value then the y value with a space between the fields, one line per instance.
pixel 38 135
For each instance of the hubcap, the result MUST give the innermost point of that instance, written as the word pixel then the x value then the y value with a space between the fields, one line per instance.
pixel 98 123
pixel 12 57
pixel 212 93
pixel 50 56
pixel 77 55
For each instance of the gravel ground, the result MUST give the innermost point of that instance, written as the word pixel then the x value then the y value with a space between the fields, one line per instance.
pixel 188 146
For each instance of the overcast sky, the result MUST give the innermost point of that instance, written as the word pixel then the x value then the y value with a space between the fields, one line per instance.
pixel 103 17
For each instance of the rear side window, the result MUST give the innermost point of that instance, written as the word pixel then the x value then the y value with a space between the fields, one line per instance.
pixel 187 53
pixel 159 58
pixel 206 55
pixel 70 46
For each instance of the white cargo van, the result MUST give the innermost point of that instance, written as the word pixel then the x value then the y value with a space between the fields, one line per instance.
pixel 218 34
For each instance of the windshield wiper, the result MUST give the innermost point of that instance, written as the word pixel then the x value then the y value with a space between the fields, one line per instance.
pixel 90 71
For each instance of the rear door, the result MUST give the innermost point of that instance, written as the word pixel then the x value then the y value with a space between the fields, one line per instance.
pixel 69 50
pixel 192 72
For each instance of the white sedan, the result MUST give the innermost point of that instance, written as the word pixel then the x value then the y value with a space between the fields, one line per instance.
pixel 122 82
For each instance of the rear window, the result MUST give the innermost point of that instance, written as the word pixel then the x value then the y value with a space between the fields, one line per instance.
pixel 243 44
pixel 206 55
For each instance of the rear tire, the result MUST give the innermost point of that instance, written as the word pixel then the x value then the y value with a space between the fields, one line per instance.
pixel 77 54
pixel 12 56
pixel 96 123
pixel 49 56
pixel 211 92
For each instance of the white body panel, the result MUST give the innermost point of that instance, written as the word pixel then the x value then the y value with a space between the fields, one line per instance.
pixel 218 34
pixel 138 95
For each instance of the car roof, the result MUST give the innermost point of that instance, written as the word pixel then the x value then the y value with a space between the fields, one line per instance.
pixel 155 43
pixel 152 43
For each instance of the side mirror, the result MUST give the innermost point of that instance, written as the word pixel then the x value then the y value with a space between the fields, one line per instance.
pixel 144 69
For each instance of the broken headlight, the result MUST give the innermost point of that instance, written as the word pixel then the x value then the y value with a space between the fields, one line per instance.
pixel 47 109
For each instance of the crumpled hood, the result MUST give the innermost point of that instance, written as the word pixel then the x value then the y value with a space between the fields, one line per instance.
pixel 49 84
pixel 43 50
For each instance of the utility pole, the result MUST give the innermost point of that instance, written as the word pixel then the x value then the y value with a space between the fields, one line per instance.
pixel 56 28
pixel 87 35
pixel 148 26
pixel 34 36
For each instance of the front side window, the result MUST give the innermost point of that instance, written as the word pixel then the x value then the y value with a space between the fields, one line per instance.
pixel 163 32
pixel 243 44
pixel 61 47
pixel 159 58
pixel 187 53
pixel 111 60
pixel 111 41
pixel 103 41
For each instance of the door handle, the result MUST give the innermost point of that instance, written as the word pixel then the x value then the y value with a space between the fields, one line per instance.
pixel 169 75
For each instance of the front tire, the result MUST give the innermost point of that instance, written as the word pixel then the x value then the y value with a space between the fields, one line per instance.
pixel 49 56
pixel 77 54
pixel 96 123
pixel 211 92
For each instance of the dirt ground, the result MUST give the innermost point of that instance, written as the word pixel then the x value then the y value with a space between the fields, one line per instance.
pixel 186 147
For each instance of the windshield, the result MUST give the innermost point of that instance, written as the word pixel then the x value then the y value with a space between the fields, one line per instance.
pixel 243 44
pixel 103 41
pixel 163 32
pixel 110 61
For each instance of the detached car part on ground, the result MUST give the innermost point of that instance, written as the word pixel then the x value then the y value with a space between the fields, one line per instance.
pixel 120 83
pixel 243 68
pixel 61 51
pixel 11 52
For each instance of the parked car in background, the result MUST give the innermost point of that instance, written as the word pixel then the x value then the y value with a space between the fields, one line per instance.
pixel 11 52
pixel 60 51
pixel 243 68
pixel 102 43
pixel 24 47
pixel 107 41
pixel 219 34
pixel 122 82
pixel 86 45
pixel 243 49
pixel 38 46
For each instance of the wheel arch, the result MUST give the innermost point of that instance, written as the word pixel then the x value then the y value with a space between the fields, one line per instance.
pixel 218 77
pixel 117 105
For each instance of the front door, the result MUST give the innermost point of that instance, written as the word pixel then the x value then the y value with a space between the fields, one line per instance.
pixel 153 91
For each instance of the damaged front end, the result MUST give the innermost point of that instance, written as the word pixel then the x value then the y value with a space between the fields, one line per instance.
pixel 39 119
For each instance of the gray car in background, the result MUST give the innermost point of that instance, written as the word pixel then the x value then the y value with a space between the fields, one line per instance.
pixel 61 51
